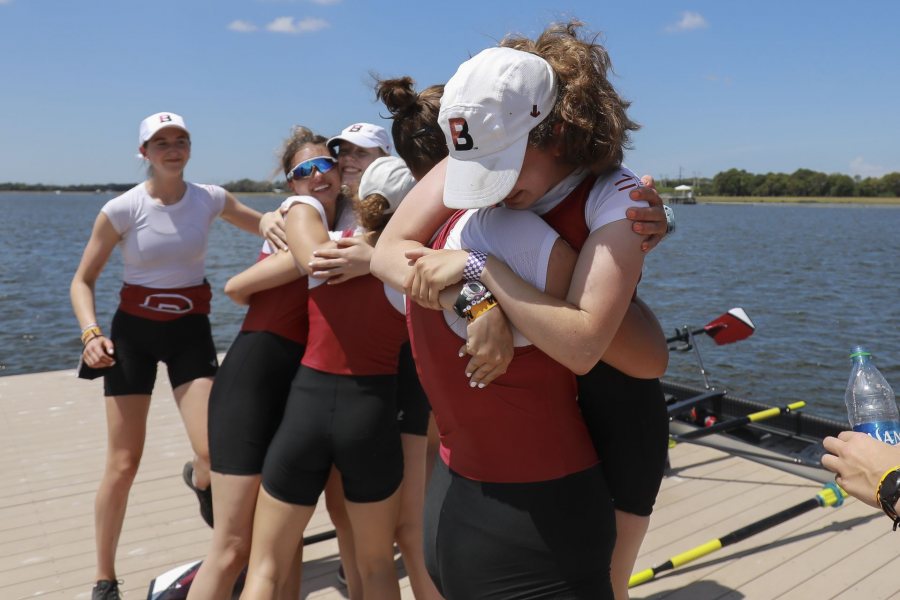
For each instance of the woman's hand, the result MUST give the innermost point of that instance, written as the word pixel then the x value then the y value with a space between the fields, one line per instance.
pixel 649 222
pixel 271 227
pixel 490 344
pixel 99 352
pixel 350 258
pixel 433 270
pixel 859 461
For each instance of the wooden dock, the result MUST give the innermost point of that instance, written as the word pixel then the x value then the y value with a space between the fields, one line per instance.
pixel 52 444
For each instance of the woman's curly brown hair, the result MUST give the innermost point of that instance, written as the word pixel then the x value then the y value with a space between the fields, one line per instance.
pixel 370 212
pixel 417 136
pixel 593 124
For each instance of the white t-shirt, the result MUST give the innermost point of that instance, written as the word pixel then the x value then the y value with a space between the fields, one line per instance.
pixel 607 201
pixel 519 238
pixel 397 299
pixel 164 246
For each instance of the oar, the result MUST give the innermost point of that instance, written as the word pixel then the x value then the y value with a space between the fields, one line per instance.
pixel 736 422
pixel 730 327
pixel 830 495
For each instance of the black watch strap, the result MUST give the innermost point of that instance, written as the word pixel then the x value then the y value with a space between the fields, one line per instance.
pixel 888 494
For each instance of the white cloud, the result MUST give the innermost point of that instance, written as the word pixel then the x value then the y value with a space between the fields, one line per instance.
pixel 859 166
pixel 289 25
pixel 240 26
pixel 726 80
pixel 689 20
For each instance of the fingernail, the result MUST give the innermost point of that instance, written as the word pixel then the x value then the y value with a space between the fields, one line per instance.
pixel 472 384
pixel 461 354
pixel 481 385
pixel 467 374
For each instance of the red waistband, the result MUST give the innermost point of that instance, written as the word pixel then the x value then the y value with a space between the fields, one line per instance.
pixel 165 304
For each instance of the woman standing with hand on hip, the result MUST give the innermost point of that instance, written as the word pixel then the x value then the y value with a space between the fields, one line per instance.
pixel 161 227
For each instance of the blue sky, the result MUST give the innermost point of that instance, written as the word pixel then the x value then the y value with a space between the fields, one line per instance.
pixel 763 86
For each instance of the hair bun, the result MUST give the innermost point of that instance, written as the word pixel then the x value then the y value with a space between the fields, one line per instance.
pixel 398 95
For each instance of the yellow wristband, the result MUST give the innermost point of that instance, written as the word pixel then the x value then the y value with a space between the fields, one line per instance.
pixel 90 333
pixel 481 308
pixel 881 481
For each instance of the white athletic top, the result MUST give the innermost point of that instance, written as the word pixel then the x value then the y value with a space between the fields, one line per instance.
pixel 519 238
pixel 397 299
pixel 607 201
pixel 165 246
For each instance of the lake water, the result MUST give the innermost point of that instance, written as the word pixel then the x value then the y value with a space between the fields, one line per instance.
pixel 816 279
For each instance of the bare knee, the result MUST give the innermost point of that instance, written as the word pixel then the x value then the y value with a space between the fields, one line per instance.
pixel 122 466
pixel 408 536
pixel 231 556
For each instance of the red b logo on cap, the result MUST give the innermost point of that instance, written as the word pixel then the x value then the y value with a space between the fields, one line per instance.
pixel 459 132
pixel 165 118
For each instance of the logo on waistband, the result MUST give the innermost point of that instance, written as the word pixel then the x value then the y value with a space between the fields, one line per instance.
pixel 168 303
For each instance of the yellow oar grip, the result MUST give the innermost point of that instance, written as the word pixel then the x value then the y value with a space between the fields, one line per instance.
pixel 702 550
pixel 773 412
pixel 642 577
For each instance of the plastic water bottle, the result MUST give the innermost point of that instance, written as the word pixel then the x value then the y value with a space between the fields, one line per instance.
pixel 871 406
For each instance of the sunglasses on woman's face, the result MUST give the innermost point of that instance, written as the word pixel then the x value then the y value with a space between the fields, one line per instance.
pixel 322 164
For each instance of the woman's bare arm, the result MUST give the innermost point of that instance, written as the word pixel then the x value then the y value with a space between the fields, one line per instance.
pixel 273 271
pixel 417 219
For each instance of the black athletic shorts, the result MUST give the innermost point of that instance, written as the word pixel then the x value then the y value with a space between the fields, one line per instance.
pixel 185 344
pixel 508 541
pixel 247 400
pixel 629 426
pixel 345 420
pixel 412 403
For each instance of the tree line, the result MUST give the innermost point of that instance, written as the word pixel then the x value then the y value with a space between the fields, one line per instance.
pixel 800 183
pixel 733 182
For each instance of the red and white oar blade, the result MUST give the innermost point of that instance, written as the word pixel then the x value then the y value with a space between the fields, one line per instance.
pixel 731 327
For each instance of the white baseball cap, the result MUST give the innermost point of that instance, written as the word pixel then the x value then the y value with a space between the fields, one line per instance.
pixel 364 135
pixel 155 122
pixel 388 176
pixel 488 108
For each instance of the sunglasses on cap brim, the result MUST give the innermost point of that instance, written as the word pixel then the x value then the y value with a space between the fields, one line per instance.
pixel 322 164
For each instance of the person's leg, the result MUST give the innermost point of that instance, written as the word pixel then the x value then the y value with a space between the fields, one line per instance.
pixel 277 532
pixel 373 537
pixel 337 511
pixel 291 588
pixel 126 423
pixel 409 530
pixel 192 399
pixel 229 550
pixel 630 532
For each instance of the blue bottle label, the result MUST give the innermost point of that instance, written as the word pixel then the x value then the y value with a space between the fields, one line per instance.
pixel 884 431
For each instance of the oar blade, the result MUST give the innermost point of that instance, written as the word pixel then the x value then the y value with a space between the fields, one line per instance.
pixel 730 327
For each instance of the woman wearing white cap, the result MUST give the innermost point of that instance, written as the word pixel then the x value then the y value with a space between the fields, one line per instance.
pixel 521 142
pixel 341 410
pixel 161 227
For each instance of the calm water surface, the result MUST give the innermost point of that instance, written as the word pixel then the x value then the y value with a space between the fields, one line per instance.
pixel 815 279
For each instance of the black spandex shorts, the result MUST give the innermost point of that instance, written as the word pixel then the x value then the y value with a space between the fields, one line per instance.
pixel 629 426
pixel 506 541
pixel 345 420
pixel 412 403
pixel 185 344
pixel 247 400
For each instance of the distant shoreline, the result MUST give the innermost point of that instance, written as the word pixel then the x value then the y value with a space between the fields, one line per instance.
pixel 875 201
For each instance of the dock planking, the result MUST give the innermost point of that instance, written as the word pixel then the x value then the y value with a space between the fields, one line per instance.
pixel 52 447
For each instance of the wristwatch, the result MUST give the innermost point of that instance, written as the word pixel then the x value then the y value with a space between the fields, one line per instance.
pixel 474 300
pixel 670 218
pixel 888 494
